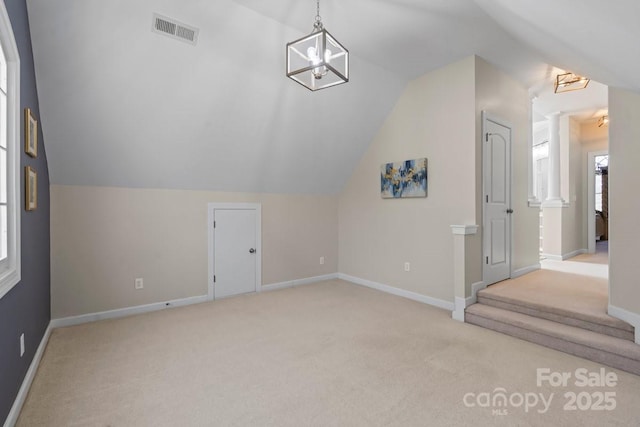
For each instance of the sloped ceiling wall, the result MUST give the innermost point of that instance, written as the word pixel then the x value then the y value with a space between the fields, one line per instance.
pixel 123 106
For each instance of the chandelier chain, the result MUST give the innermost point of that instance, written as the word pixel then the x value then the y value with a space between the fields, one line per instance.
pixel 317 25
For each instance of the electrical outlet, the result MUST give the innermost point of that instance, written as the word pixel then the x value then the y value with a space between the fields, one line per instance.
pixel 139 283
pixel 22 344
pixel 407 266
pixel 321 260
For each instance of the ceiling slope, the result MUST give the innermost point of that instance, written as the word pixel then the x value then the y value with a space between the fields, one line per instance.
pixel 123 106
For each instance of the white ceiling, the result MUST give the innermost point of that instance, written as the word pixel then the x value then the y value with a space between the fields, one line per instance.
pixel 123 106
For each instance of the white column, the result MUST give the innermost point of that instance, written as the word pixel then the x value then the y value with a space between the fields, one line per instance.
pixel 461 289
pixel 553 196
pixel 530 169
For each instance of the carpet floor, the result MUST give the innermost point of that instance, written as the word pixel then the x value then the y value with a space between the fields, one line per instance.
pixel 327 354
pixel 586 296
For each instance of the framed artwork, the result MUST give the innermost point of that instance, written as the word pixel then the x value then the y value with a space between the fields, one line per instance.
pixel 404 179
pixel 30 133
pixel 31 188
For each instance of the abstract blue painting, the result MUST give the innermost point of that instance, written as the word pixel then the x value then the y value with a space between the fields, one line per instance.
pixel 404 179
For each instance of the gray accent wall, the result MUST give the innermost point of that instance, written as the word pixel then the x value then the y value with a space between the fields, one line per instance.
pixel 26 308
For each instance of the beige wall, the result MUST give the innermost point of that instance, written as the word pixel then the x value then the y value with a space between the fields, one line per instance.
pixel 502 96
pixel 433 118
pixel 103 238
pixel 624 203
pixel 437 116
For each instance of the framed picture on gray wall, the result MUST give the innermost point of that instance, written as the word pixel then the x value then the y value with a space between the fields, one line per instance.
pixel 30 133
pixel 31 188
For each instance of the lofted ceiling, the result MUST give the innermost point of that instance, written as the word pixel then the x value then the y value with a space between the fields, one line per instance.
pixel 123 106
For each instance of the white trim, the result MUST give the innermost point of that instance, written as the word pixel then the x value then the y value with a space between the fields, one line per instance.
pixel 574 253
pixel 627 316
pixel 14 413
pixel 12 275
pixel 447 305
pixel 211 208
pixel 557 203
pixel 591 199
pixel 535 203
pixel 475 288
pixel 464 229
pixel 298 282
pixel 460 305
pixel 565 256
pixel 128 311
pixel 525 270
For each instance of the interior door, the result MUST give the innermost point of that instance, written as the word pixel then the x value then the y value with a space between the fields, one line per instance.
pixel 497 201
pixel 235 250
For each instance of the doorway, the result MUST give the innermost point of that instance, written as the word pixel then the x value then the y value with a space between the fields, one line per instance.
pixel 598 201
pixel 235 252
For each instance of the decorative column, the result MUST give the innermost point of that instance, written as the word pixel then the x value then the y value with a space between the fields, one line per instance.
pixel 552 244
pixel 553 197
pixel 462 289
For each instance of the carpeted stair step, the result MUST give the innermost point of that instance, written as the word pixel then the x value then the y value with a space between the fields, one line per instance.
pixel 603 324
pixel 600 348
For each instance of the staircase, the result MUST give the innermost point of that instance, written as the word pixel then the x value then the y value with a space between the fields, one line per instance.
pixel 597 337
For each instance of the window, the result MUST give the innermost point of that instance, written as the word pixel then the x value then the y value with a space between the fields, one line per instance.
pixel 10 119
pixel 539 163
pixel 541 170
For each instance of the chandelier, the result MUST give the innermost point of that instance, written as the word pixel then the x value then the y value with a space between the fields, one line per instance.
pixel 318 60
pixel 569 81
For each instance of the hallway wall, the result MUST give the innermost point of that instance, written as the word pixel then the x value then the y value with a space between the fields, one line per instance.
pixel 624 205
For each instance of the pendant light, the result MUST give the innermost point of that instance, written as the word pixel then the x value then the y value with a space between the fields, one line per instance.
pixel 318 60
pixel 569 81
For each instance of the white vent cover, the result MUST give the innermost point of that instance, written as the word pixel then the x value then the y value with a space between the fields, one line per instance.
pixel 174 29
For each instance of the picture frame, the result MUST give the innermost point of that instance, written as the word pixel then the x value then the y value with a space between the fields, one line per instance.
pixel 30 133
pixel 405 179
pixel 31 188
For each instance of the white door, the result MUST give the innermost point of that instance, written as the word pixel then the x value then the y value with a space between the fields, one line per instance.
pixel 235 244
pixel 497 201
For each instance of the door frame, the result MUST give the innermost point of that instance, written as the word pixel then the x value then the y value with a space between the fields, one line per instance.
pixel 486 116
pixel 211 209
pixel 591 199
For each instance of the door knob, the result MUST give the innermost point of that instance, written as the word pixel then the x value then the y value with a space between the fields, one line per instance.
pixel 252 251
pixel 509 211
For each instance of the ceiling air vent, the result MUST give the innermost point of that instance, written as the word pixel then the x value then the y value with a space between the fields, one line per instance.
pixel 174 29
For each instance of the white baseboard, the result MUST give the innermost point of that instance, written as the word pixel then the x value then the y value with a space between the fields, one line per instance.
pixel 298 282
pixel 122 312
pixel 565 256
pixel 525 270
pixel 574 253
pixel 447 305
pixel 632 318
pixel 14 413
pixel 475 288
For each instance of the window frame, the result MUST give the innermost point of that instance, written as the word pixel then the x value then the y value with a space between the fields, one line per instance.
pixel 11 273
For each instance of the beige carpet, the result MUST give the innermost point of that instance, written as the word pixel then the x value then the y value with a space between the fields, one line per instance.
pixel 586 296
pixel 327 354
pixel 601 256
